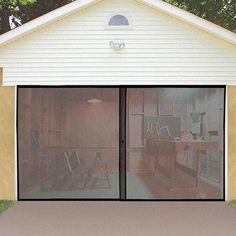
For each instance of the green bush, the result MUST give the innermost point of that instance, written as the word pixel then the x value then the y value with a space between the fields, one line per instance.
pixel 5 204
pixel 233 204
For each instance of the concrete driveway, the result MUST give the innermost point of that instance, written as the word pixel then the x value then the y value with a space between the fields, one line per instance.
pixel 72 218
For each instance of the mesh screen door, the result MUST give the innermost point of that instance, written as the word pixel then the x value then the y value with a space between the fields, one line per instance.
pixel 175 143
pixel 129 143
pixel 68 141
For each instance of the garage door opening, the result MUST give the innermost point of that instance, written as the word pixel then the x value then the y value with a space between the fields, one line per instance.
pixel 121 143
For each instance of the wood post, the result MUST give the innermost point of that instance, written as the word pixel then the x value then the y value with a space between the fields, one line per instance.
pixel 7 141
pixel 231 143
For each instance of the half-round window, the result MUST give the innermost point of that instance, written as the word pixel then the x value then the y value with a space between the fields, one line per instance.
pixel 118 20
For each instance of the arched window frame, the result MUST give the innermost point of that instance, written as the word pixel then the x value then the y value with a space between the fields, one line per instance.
pixel 117 27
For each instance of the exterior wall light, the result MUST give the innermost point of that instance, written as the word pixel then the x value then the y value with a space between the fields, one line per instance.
pixel 117 46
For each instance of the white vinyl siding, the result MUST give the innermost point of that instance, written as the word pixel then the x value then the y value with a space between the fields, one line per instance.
pixel 159 50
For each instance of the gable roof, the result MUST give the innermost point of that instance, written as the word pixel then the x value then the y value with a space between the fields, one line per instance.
pixel 81 4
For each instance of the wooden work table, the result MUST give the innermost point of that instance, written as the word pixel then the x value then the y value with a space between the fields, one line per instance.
pixel 177 147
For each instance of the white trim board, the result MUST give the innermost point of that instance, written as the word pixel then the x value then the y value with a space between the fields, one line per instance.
pixel 81 4
pixel 226 147
pixel 16 141
pixel 126 81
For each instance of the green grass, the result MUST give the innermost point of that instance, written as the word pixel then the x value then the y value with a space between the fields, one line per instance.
pixel 232 204
pixel 5 204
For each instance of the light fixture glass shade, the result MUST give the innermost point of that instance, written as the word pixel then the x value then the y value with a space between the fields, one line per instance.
pixel 94 100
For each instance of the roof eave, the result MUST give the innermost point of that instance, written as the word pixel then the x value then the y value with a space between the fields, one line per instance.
pixel 44 20
pixel 192 19
pixel 156 4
